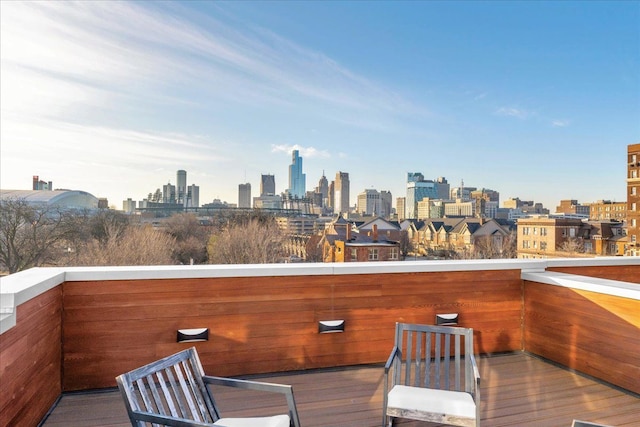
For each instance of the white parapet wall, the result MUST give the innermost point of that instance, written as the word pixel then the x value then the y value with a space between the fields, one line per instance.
pixel 18 288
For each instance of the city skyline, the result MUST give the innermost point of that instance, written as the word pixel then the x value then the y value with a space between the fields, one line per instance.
pixel 536 100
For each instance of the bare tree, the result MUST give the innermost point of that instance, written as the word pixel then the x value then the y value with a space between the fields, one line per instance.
pixel 572 245
pixel 494 247
pixel 191 238
pixel 29 234
pixel 255 242
pixel 134 245
pixel 406 245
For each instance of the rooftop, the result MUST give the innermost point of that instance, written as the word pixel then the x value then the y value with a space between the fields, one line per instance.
pixel 558 339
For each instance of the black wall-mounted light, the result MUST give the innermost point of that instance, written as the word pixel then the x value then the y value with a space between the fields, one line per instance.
pixel 448 319
pixel 330 326
pixel 193 335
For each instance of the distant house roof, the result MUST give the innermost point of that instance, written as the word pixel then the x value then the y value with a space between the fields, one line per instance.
pixel 71 199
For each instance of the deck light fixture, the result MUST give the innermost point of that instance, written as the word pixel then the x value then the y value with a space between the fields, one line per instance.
pixel 193 335
pixel 448 319
pixel 330 326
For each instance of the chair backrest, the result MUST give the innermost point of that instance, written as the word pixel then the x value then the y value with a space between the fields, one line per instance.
pixel 435 357
pixel 171 387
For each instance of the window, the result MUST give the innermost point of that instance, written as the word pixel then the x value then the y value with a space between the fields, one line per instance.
pixel 525 244
pixel 535 231
pixel 633 206
pixel 543 246
pixel 633 222
pixel 354 254
pixel 525 231
pixel 543 231
pixel 373 254
pixel 633 191
pixel 535 244
pixel 394 253
pixel 572 232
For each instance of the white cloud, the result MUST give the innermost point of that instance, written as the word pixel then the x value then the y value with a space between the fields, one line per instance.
pixel 514 112
pixel 305 152
pixel 560 123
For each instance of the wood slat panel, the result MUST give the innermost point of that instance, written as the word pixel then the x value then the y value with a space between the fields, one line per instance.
pixel 269 324
pixel 30 361
pixel 594 333
pixel 517 390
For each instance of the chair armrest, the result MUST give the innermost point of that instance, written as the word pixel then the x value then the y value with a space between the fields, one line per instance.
pixel 166 420
pixel 394 354
pixel 246 384
pixel 287 390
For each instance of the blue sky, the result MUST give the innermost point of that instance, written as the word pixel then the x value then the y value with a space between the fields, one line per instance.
pixel 536 100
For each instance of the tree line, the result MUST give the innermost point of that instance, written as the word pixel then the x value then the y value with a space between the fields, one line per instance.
pixel 33 236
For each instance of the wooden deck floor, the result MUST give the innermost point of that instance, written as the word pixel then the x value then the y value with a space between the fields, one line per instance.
pixel 517 390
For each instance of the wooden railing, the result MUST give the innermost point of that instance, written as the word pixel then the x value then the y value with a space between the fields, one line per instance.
pixel 94 323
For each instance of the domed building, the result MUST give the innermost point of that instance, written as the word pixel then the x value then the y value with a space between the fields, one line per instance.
pixel 66 199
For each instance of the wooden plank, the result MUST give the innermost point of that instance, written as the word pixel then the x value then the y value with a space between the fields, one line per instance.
pixel 269 324
pixel 517 390
pixel 30 366
pixel 594 333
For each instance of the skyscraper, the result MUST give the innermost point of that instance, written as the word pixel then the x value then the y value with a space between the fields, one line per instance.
pixel 244 195
pixel 267 185
pixel 181 187
pixel 323 189
pixel 297 179
pixel 341 193
pixel 417 189
pixel 193 196
pixel 168 193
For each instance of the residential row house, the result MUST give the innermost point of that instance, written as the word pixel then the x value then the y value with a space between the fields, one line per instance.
pixel 475 237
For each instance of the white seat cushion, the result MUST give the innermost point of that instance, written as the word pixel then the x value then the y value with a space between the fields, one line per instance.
pixel 275 421
pixel 456 403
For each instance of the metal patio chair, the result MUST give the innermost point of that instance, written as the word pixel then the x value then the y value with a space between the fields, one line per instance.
pixel 432 375
pixel 174 391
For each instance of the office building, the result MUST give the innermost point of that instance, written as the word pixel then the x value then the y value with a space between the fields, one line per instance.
pixel 368 202
pixel 297 179
pixel 244 195
pixel 417 189
pixel 341 193
pixel 129 205
pixel 168 193
pixel 193 196
pixel 181 187
pixel 401 203
pixel 633 200
pixel 323 190
pixel 572 207
pixel 267 185
pixel 442 187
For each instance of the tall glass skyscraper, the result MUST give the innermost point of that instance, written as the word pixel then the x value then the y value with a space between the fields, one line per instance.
pixel 297 180
pixel 417 189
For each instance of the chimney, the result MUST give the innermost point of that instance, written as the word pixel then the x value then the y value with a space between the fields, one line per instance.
pixel 348 232
pixel 375 233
